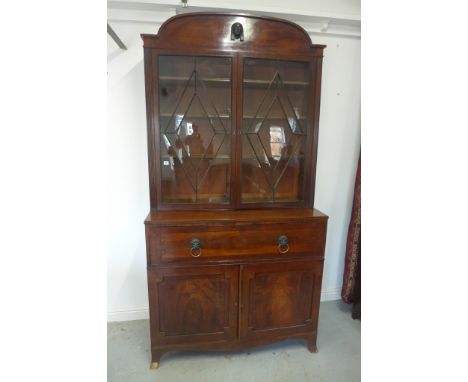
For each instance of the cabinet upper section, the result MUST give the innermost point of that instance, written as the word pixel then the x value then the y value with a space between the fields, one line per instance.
pixel 193 32
pixel 232 110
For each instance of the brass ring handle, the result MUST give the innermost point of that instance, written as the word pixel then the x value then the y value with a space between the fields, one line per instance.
pixel 195 252
pixel 283 248
pixel 283 244
pixel 195 248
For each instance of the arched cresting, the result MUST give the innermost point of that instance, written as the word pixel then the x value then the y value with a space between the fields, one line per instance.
pixel 195 31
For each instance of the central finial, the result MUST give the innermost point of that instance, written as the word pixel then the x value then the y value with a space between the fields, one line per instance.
pixel 237 32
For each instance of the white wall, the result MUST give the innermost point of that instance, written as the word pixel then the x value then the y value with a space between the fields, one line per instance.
pixel 128 195
pixel 338 148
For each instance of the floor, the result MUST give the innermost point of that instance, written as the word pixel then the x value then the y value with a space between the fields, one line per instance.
pixel 338 358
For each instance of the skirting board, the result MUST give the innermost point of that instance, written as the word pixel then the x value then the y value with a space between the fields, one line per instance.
pixel 130 313
pixel 331 294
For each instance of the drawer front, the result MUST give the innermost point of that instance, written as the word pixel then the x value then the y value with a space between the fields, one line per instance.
pixel 272 240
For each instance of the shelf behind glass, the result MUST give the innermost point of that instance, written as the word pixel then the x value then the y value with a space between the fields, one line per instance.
pixel 247 81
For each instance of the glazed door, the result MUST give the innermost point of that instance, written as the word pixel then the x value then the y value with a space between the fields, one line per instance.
pixel 276 109
pixel 194 116
pixel 279 298
pixel 196 304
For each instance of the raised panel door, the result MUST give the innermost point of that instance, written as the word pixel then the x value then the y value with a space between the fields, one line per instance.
pixel 279 298
pixel 193 304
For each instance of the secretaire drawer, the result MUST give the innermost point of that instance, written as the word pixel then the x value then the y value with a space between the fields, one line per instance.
pixel 185 243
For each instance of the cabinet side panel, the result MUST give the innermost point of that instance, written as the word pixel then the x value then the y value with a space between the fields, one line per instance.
pixel 314 133
pixel 149 93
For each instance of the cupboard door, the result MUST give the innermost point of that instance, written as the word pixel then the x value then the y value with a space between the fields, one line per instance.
pixel 197 304
pixel 195 110
pixel 276 100
pixel 280 298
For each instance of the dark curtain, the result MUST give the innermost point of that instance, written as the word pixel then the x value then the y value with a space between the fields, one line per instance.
pixel 352 279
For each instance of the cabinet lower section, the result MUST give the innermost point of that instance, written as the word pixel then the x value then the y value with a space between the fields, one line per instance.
pixel 251 278
pixel 222 307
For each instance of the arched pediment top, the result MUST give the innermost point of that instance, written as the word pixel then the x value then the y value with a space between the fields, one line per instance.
pixel 232 32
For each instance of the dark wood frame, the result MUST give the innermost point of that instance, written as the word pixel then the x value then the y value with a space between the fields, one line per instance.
pixel 155 168
pixel 312 136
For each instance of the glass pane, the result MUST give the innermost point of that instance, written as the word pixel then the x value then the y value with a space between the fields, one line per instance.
pixel 274 130
pixel 195 126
